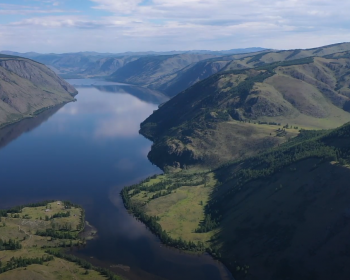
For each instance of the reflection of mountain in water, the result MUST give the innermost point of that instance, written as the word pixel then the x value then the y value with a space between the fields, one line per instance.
pixel 11 132
pixel 144 94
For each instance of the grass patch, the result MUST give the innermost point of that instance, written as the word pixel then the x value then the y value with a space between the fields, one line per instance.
pixel 22 226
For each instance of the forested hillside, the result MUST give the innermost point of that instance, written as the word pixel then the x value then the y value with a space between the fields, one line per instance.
pixel 284 214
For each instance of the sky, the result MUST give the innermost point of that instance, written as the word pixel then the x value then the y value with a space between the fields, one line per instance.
pixel 59 26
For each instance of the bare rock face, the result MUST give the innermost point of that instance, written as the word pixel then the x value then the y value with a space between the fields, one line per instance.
pixel 28 87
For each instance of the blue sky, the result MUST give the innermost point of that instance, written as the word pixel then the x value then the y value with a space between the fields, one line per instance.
pixel 162 25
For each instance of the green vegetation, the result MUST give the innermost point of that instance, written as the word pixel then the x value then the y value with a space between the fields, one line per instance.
pixel 31 238
pixel 263 204
pixel 175 214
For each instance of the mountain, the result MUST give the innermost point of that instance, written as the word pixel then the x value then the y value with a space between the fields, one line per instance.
pixel 79 65
pixel 146 70
pixel 94 64
pixel 174 83
pixel 28 87
pixel 238 113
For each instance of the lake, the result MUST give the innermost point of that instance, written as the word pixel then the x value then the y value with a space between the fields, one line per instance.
pixel 86 152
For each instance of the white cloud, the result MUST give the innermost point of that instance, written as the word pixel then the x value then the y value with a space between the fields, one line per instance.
pixel 119 6
pixel 187 24
pixel 12 9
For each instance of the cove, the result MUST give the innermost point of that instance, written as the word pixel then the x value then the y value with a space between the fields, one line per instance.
pixel 86 152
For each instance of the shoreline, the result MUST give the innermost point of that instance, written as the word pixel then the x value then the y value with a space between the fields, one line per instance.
pixel 188 247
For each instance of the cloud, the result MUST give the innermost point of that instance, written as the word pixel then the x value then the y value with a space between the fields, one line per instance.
pixel 12 9
pixel 137 25
pixel 119 6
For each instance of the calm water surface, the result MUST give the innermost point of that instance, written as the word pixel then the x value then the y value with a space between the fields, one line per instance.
pixel 86 152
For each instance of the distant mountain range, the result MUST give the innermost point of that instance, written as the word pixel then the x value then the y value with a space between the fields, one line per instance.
pixel 93 64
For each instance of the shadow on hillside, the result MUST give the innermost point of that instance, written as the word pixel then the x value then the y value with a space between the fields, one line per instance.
pixel 293 225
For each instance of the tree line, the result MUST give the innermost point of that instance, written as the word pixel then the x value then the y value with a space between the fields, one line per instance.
pixel 84 264
pixel 57 234
pixel 10 245
pixel 14 263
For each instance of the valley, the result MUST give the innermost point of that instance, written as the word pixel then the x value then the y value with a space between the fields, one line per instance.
pixel 254 149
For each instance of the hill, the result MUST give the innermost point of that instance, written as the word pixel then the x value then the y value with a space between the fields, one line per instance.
pixel 240 112
pixel 282 214
pixel 145 70
pixel 28 87
pixel 174 83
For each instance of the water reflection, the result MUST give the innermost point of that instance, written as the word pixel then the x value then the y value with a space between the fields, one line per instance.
pixel 86 153
pixel 143 94
pixel 12 132
pixel 119 115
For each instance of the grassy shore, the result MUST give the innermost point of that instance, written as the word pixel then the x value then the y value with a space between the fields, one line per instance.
pixel 33 239
pixel 175 203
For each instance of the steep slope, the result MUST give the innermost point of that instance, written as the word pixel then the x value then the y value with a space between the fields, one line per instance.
pixel 146 70
pixel 28 87
pixel 285 214
pixel 174 83
pixel 201 124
